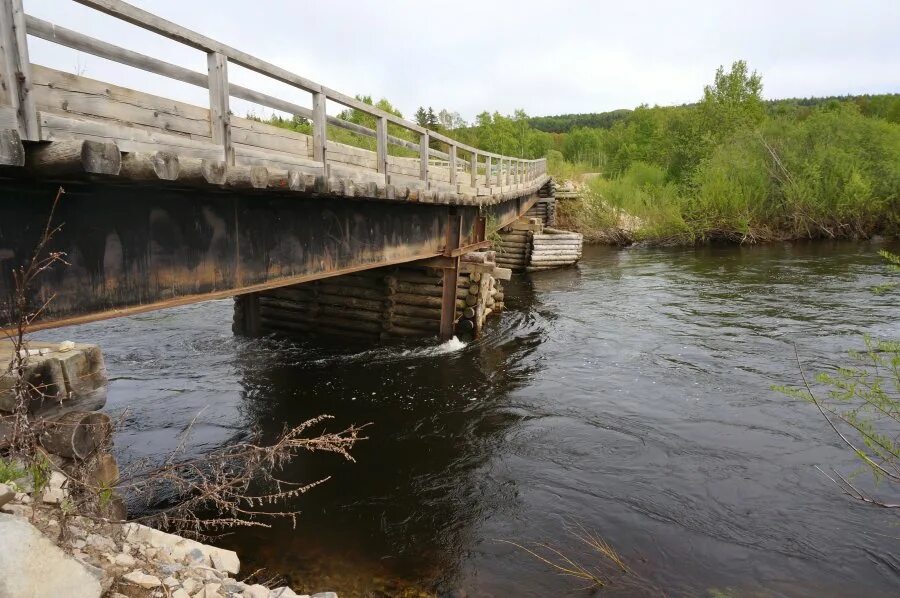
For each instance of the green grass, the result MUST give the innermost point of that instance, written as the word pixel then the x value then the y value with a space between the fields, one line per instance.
pixel 9 472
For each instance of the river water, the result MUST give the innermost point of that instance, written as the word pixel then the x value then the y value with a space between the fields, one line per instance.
pixel 630 396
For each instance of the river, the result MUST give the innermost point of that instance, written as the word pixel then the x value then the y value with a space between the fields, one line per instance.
pixel 630 395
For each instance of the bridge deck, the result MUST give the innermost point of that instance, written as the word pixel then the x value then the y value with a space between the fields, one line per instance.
pixel 170 203
pixel 169 140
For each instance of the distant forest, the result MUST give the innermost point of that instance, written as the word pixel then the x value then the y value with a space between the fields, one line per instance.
pixel 731 166
pixel 886 106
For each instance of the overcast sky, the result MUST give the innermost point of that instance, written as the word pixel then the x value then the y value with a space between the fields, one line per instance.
pixel 547 57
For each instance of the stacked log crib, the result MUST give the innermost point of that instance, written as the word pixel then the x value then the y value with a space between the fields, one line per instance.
pixel 480 277
pixel 527 245
pixel 545 208
pixel 554 248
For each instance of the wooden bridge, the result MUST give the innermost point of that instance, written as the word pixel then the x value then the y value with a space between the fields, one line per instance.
pixel 169 203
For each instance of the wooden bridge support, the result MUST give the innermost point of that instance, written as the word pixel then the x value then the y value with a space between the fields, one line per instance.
pixel 372 305
pixel 529 245
pixel 396 302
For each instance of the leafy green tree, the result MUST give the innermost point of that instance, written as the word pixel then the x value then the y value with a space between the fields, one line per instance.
pixel 734 100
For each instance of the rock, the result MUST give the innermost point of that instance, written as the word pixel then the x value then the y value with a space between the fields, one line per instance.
pixel 53 574
pixel 6 494
pixel 325 595
pixel 78 544
pixel 124 560
pixel 23 511
pixel 225 560
pixel 256 591
pixel 190 585
pixel 180 593
pixel 284 592
pixel 182 549
pixel 171 582
pixel 139 578
pixel 210 574
pixel 98 542
pixel 171 569
pixel 233 585
pixel 55 492
pixel 210 590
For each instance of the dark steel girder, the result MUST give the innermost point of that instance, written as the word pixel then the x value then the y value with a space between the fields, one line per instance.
pixel 132 249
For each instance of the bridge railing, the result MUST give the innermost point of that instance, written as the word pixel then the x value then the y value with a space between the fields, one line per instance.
pixel 22 114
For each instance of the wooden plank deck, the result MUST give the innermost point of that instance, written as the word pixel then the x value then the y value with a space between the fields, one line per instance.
pixel 208 145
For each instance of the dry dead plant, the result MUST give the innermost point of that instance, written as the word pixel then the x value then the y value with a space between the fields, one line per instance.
pixel 18 434
pixel 237 485
pixel 599 573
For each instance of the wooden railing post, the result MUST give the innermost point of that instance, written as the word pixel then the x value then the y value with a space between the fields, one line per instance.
pixel 473 166
pixel 320 121
pixel 381 146
pixel 453 164
pixel 15 70
pixel 423 158
pixel 219 109
pixel 487 171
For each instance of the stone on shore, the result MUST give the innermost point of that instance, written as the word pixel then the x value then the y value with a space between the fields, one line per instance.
pixel 32 565
pixel 6 494
pixel 256 591
pixel 183 549
pixel 139 578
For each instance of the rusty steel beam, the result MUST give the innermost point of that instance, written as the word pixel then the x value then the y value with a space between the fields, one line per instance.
pixel 133 249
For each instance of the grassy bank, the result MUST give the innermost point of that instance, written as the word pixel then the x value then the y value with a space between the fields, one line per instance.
pixel 729 169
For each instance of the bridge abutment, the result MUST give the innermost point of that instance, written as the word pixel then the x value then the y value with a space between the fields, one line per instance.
pixel 531 243
pixel 381 304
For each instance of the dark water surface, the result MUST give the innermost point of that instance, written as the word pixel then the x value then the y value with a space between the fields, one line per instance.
pixel 630 395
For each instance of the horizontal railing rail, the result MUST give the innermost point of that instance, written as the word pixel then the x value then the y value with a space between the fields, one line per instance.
pixel 14 23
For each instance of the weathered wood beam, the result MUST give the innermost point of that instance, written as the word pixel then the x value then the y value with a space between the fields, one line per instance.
pixel 16 68
pixel 381 149
pixel 12 153
pixel 453 165
pixel 142 166
pixel 423 158
pixel 196 171
pixel 73 156
pixel 219 108
pixel 319 125
pixel 247 177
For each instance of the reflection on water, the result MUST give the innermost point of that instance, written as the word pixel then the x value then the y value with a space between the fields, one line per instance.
pixel 630 394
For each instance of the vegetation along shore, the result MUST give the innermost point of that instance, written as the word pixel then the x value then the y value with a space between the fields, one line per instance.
pixel 731 167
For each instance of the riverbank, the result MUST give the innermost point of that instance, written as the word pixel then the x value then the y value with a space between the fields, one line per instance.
pixel 601 223
pixel 49 551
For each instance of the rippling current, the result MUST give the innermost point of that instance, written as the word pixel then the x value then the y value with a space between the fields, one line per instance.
pixel 630 395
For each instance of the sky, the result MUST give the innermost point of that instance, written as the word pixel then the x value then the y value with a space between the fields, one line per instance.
pixel 548 57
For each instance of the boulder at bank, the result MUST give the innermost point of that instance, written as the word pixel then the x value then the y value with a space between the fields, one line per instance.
pixel 33 566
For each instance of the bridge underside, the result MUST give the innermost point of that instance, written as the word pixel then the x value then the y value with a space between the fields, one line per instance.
pixel 132 248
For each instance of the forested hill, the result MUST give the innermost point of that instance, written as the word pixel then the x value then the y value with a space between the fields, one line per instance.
pixel 564 123
pixel 886 106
